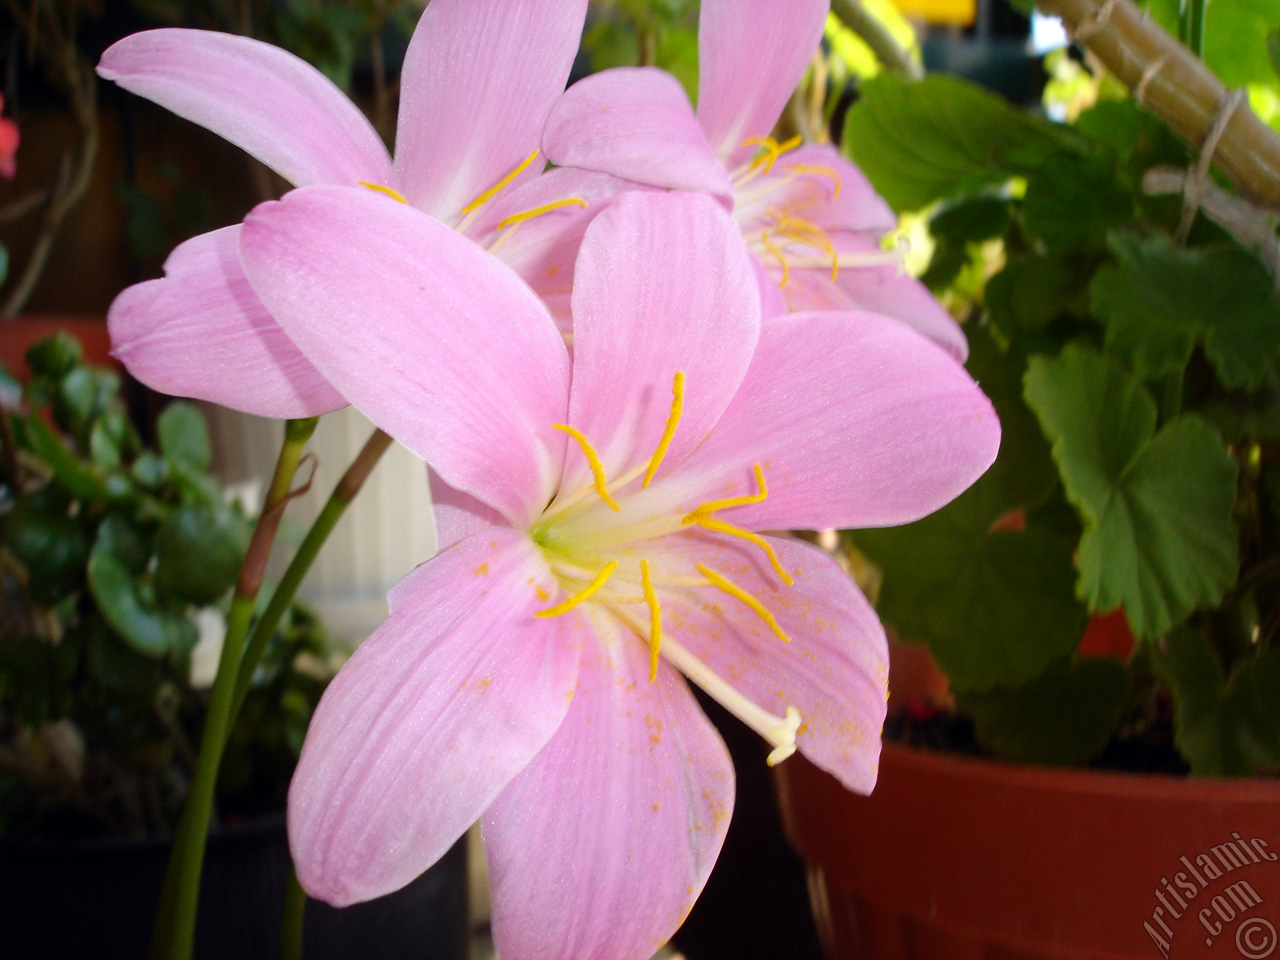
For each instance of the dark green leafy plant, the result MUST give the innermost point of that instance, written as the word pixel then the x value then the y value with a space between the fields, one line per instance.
pixel 1135 363
pixel 112 551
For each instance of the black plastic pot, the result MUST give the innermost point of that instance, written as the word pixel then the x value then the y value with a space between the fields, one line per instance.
pixel 97 899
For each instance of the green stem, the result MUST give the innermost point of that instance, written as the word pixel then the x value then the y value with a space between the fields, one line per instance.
pixel 176 921
pixel 295 903
pixel 336 505
pixel 1191 25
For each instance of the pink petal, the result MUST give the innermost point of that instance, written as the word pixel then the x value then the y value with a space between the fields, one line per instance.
pixel 818 184
pixel 202 332
pixel 834 670
pixel 458 516
pixel 478 82
pixel 263 99
pixel 857 421
pixel 664 285
pixel 751 56
pixel 430 719
pixel 430 337
pixel 889 290
pixel 599 848
pixel 543 249
pixel 635 123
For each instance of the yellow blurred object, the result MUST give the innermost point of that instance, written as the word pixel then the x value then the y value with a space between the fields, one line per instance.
pixel 955 12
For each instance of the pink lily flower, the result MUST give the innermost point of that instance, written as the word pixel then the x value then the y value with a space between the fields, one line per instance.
pixel 811 218
pixel 479 79
pixel 599 520
pixel 9 137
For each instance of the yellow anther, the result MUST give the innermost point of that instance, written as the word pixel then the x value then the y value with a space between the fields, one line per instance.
pixel 767 154
pixel 379 188
pixel 591 589
pixel 786 146
pixel 493 191
pixel 673 419
pixel 524 215
pixel 808 232
pixel 776 250
pixel 719 526
pixel 817 170
pixel 720 582
pixel 714 505
pixel 655 619
pixel 593 461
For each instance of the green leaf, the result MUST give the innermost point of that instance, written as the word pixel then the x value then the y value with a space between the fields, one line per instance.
pixel 147 630
pixel 122 540
pixel 85 394
pixel 995 609
pixel 1071 203
pixel 48 541
pixel 1030 292
pixel 923 141
pixel 55 356
pixel 199 551
pixel 1227 728
pixel 1159 300
pixel 1157 507
pixel 77 477
pixel 1064 716
pixel 1235 36
pixel 970 220
pixel 184 438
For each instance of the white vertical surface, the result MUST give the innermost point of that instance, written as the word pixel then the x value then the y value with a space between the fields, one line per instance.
pixel 385 533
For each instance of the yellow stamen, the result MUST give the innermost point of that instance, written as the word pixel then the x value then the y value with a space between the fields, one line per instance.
pixel 808 232
pixel 593 461
pixel 591 589
pixel 719 526
pixel 493 191
pixel 720 582
pixel 786 146
pixel 817 170
pixel 714 505
pixel 767 154
pixel 655 620
pixel 774 249
pixel 677 407
pixel 524 215
pixel 379 188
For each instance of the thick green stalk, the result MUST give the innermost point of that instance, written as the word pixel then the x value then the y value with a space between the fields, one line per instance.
pixel 1191 25
pixel 176 921
pixel 332 511
pixel 295 905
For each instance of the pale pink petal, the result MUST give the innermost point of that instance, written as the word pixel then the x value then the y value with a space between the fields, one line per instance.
pixel 599 848
pixel 869 278
pixel 664 285
pixel 458 515
pixel 856 420
pixel 751 56
pixel 772 302
pixel 890 290
pixel 202 332
pixel 835 669
pixel 263 99
pixel 544 248
pixel 478 82
pixel 430 337
pixel 817 184
pixel 430 719
pixel 635 123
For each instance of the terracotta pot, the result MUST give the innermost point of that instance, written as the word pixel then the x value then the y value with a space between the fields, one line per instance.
pixel 18 334
pixel 954 858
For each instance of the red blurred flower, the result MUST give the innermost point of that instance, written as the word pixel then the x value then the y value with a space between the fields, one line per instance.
pixel 8 145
